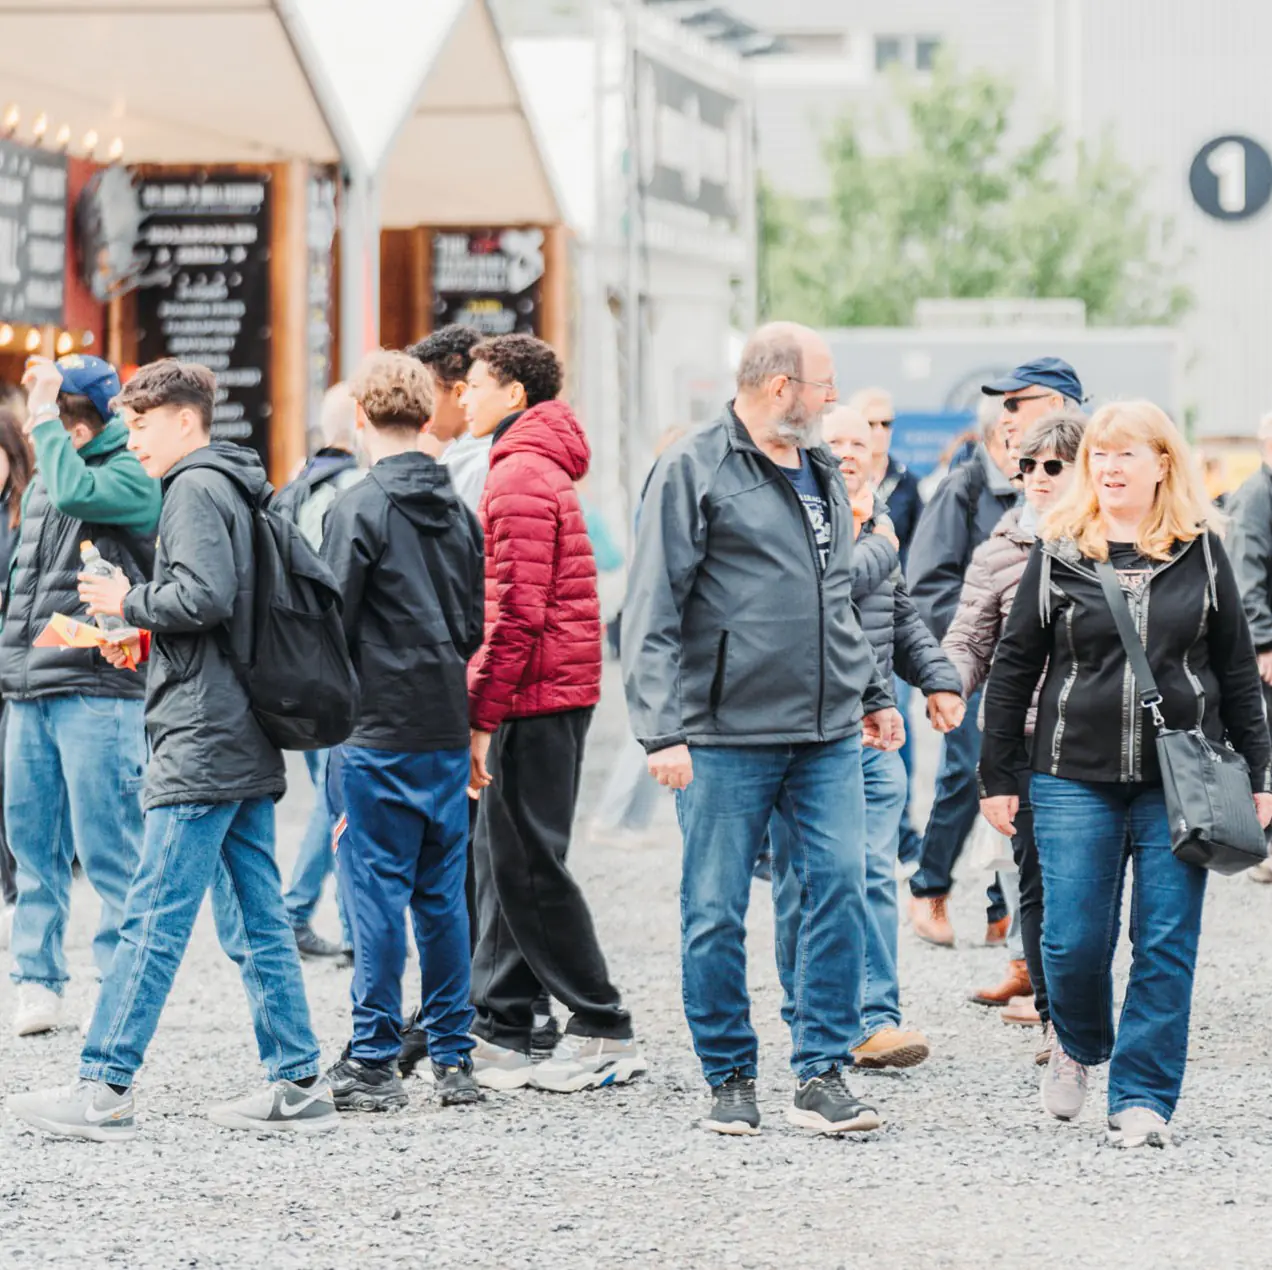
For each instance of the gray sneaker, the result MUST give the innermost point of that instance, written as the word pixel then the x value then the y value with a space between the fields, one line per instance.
pixel 589 1062
pixel 86 1109
pixel 281 1108
pixel 497 1067
pixel 1064 1085
pixel 1137 1127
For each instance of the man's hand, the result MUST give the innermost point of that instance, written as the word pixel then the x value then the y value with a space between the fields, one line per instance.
pixel 42 381
pixel 1265 666
pixel 1001 811
pixel 479 776
pixel 1263 809
pixel 945 710
pixel 672 767
pixel 883 730
pixel 104 596
pixel 123 649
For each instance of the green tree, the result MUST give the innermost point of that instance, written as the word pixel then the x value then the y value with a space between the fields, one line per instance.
pixel 951 206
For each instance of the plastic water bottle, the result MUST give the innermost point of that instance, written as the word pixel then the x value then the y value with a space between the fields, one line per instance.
pixel 92 562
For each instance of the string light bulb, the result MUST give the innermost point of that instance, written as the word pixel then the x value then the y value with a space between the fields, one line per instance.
pixel 89 143
pixel 40 127
pixel 12 117
pixel 65 343
pixel 63 139
pixel 6 335
pixel 116 151
pixel 33 340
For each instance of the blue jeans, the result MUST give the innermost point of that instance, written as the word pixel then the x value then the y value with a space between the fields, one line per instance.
pixel 817 791
pixel 189 847
pixel 73 774
pixel 405 845
pixel 910 843
pixel 1086 833
pixel 315 859
pixel 885 790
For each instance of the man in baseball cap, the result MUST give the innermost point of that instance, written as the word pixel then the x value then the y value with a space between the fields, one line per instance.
pixel 75 744
pixel 1030 391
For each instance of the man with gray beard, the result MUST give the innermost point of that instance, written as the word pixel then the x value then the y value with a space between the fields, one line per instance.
pixel 752 688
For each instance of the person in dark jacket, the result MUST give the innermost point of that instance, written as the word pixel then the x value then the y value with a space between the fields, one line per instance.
pixel 896 632
pixel 962 515
pixel 752 688
pixel 532 690
pixel 210 787
pixel 75 745
pixel 1139 505
pixel 407 555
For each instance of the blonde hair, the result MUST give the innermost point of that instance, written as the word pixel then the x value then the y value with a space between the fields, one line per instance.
pixel 1181 510
pixel 394 390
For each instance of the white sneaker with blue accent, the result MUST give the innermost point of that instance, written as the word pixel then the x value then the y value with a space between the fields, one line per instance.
pixel 589 1062
pixel 85 1109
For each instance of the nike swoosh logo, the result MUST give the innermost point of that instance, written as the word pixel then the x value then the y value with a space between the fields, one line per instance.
pixel 93 1116
pixel 294 1109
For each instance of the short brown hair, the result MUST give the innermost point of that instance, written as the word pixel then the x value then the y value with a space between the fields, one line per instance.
pixel 170 383
pixel 394 390
pixel 524 360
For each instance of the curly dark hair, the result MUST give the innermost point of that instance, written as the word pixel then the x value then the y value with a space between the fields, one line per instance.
pixel 524 360
pixel 448 353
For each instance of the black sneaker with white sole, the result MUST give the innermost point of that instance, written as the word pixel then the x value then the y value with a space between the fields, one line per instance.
pixel 733 1107
pixel 544 1038
pixel 360 1086
pixel 414 1045
pixel 456 1085
pixel 826 1105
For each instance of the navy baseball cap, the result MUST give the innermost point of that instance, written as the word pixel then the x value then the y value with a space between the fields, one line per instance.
pixel 90 377
pixel 1051 373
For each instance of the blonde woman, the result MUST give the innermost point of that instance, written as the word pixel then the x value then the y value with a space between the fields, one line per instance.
pixel 1138 502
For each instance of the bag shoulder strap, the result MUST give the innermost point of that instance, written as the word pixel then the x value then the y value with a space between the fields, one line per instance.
pixel 1150 698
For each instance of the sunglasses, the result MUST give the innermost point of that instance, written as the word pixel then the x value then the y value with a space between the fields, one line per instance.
pixel 1052 467
pixel 881 423
pixel 1012 404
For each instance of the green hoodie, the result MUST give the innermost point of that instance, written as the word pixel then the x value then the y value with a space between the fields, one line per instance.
pixel 116 492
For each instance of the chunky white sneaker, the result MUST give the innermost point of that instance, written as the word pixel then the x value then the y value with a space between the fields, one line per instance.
pixel 1137 1127
pixel 1064 1085
pixel 589 1062
pixel 39 1010
pixel 86 1109
pixel 281 1108
pixel 6 924
pixel 498 1067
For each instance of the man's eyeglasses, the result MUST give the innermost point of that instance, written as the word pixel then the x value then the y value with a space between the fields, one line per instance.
pixel 1012 404
pixel 829 386
pixel 1052 467
pixel 881 423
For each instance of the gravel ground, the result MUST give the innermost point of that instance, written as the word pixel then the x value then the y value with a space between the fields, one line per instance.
pixel 967 1172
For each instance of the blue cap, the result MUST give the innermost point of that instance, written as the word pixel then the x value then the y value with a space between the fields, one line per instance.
pixel 1052 373
pixel 90 377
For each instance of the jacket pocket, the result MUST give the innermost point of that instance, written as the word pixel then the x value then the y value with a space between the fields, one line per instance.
pixel 717 680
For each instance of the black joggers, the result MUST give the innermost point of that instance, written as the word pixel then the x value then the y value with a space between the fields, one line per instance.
pixel 536 928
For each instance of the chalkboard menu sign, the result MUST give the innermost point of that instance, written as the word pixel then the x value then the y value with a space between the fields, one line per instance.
pixel 490 279
pixel 205 295
pixel 32 235
pixel 320 236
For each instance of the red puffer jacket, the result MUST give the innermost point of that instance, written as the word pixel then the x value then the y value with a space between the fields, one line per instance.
pixel 543 620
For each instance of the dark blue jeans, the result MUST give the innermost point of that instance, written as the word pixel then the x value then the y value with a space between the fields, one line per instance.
pixel 954 810
pixel 1086 833
pixel 404 845
pixel 909 841
pixel 315 859
pixel 724 813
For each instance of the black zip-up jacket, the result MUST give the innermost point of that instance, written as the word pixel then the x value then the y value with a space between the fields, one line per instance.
pixel 408 557
pixel 1250 547
pixel 1091 726
pixel 732 633
pixel 206 746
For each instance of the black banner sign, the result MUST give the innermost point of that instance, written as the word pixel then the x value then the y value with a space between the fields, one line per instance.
pixel 490 279
pixel 32 235
pixel 205 296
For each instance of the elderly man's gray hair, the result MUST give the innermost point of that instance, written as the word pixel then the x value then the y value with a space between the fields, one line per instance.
pixel 775 349
pixel 337 418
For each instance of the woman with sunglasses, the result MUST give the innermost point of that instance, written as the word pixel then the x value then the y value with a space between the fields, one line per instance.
pixel 1046 460
pixel 1138 503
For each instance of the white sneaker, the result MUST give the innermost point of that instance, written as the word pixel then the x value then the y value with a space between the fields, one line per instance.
pixel 86 1109
pixel 1064 1085
pixel 589 1062
pixel 498 1067
pixel 6 925
pixel 39 1010
pixel 1137 1127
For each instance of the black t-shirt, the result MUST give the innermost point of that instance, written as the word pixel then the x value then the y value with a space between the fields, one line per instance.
pixel 804 479
pixel 1133 568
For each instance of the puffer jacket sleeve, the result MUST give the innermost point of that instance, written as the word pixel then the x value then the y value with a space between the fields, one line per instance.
pixel 919 659
pixel 523 522
pixel 973 634
pixel 670 546
pixel 1250 549
pixel 874 558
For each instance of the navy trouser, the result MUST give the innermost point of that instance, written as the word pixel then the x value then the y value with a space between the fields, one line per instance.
pixel 403 843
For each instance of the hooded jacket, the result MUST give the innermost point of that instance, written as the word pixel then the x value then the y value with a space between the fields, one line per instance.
pixel 206 746
pixel 542 651
pixel 307 499
pixel 732 632
pixel 98 492
pixel 407 555
pixel 1250 547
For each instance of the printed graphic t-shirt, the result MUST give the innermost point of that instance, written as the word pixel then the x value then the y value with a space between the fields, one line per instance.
pixel 804 479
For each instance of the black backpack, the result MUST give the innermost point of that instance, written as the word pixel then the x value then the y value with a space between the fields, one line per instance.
pixel 301 681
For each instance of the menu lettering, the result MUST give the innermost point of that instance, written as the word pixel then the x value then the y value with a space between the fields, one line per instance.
pixel 32 235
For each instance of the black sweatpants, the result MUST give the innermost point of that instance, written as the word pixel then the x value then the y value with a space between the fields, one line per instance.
pixel 1024 850
pixel 536 930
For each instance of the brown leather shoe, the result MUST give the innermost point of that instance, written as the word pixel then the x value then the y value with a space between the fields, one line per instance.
pixel 1016 984
pixel 1021 1010
pixel 931 921
pixel 891 1047
pixel 996 932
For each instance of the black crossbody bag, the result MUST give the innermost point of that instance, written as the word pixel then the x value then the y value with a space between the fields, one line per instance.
pixel 1209 800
